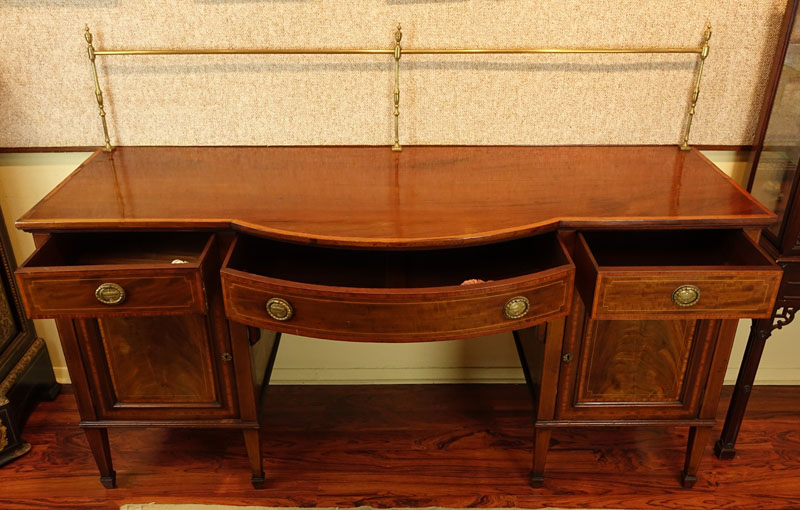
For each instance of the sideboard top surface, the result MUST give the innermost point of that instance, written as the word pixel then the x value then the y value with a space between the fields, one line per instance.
pixel 371 196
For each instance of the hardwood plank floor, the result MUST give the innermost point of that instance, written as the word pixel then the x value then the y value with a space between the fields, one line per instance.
pixel 410 446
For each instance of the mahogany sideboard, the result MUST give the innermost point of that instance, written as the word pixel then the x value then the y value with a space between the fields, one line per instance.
pixel 621 271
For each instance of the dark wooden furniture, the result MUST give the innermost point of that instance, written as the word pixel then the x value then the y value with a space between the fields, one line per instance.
pixel 773 176
pixel 159 264
pixel 26 376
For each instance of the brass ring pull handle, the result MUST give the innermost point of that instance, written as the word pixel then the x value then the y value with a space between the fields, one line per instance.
pixel 279 309
pixel 110 294
pixel 516 307
pixel 686 295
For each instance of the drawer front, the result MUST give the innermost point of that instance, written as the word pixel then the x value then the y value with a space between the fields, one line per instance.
pixel 723 294
pixel 743 284
pixel 415 315
pixel 116 274
pixel 68 294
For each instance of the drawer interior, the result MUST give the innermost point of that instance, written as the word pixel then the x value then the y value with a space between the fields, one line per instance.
pixel 364 268
pixel 120 248
pixel 674 248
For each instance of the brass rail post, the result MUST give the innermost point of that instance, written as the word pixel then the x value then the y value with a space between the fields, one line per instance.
pixel 690 116
pixel 398 36
pixel 97 92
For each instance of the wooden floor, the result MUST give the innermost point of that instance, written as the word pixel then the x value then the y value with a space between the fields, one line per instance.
pixel 410 446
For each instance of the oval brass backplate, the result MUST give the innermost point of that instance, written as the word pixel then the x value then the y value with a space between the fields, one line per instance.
pixel 110 294
pixel 516 307
pixel 686 295
pixel 279 309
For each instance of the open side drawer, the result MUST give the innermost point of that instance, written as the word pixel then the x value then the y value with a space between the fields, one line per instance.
pixel 116 274
pixel 374 295
pixel 703 274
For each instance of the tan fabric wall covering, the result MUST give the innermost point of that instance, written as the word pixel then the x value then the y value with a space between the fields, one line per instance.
pixel 47 96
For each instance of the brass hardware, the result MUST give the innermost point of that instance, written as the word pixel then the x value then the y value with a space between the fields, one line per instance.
pixel 226 356
pixel 398 36
pixel 686 295
pixel 516 307
pixel 97 92
pixel 703 55
pixel 413 51
pixel 110 294
pixel 567 357
pixel 279 309
pixel 397 52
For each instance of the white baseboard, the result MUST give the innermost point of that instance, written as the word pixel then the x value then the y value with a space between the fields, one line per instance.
pixel 62 376
pixel 768 376
pixel 413 375
pixel 448 375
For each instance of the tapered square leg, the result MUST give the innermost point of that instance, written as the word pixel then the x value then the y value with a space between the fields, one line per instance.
pixel 541 444
pixel 760 331
pixel 252 442
pixel 98 442
pixel 698 439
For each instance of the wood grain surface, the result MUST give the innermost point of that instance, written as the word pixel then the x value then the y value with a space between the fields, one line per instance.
pixel 60 278
pixel 370 196
pixel 632 275
pixel 410 446
pixel 406 296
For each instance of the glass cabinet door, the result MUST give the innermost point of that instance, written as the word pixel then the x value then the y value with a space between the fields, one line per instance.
pixel 777 165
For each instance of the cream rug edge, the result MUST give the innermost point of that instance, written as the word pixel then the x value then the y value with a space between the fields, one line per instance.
pixel 192 506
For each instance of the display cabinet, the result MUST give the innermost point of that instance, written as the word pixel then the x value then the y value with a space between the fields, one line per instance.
pixel 26 375
pixel 773 177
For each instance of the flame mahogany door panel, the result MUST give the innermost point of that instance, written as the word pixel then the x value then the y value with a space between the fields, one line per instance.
pixel 634 369
pixel 158 367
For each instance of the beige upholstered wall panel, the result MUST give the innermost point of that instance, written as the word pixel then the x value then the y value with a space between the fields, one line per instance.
pixel 46 93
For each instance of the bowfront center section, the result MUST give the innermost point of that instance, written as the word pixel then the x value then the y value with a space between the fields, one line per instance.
pixel 397 296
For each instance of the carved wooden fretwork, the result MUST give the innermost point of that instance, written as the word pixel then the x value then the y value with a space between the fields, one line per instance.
pixel 783 316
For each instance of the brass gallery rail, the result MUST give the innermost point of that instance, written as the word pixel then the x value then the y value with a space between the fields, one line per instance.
pixel 397 52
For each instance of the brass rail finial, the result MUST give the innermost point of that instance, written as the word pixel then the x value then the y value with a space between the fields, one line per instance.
pixel 97 92
pixel 703 55
pixel 398 36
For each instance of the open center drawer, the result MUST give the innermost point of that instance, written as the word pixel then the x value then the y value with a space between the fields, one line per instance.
pixel 116 274
pixel 374 295
pixel 704 274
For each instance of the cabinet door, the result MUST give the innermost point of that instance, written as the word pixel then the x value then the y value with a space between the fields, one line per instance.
pixel 634 369
pixel 169 367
